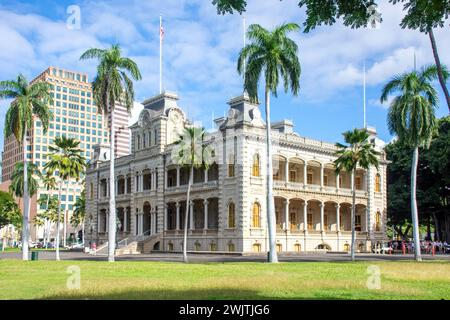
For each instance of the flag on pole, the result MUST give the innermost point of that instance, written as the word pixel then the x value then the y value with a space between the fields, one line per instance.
pixel 161 32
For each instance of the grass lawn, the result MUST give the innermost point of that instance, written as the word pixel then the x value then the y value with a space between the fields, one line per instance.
pixel 241 280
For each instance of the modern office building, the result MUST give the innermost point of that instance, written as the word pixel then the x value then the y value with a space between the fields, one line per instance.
pixel 74 115
pixel 228 199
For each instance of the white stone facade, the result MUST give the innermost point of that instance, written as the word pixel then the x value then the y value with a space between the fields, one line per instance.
pixel 312 204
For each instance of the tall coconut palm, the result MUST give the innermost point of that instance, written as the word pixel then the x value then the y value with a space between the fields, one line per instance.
pixel 412 118
pixel 271 54
pixel 112 85
pixel 17 183
pixel 30 101
pixel 191 151
pixel 79 213
pixel 49 182
pixel 65 159
pixel 357 152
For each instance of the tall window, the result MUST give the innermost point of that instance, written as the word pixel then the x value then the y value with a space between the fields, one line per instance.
pixel 231 247
pixel 256 247
pixel 358 182
pixel 256 215
pixel 310 221
pixel 255 168
pixel 325 222
pixel 309 178
pixel 378 221
pixel 231 166
pixel 138 142
pixel 92 190
pixel 231 216
pixel 358 223
pixel 325 180
pixel 377 183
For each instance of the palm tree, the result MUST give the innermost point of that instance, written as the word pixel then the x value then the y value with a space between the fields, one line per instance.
pixel 17 185
pixel 79 213
pixel 192 152
pixel 65 158
pixel 412 118
pixel 30 102
pixel 49 182
pixel 357 152
pixel 112 85
pixel 273 54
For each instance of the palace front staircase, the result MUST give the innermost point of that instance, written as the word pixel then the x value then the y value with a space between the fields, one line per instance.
pixel 143 243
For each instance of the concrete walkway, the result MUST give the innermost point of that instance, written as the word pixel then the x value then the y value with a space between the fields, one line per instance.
pixel 199 258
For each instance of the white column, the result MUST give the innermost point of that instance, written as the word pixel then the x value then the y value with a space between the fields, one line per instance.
pixel 286 171
pixel 178 176
pixel 166 217
pixel 322 209
pixel 126 185
pixel 337 182
pixel 305 216
pixel 305 174
pixel 141 223
pixel 178 216
pixel 107 188
pixel 191 215
pixel 206 175
pixel 286 215
pixel 321 175
pixel 338 218
pixel 205 212
pixel 107 222
pixel 141 180
pixel 165 178
pixel 125 225
pixel 153 222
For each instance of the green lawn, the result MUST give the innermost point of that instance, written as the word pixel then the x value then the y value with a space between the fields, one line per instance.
pixel 243 280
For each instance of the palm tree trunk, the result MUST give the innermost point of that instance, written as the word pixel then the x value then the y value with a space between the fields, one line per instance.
pixel 26 201
pixel 112 200
pixel 439 67
pixel 82 232
pixel 353 214
pixel 186 216
pixel 66 212
pixel 270 202
pixel 58 222
pixel 415 216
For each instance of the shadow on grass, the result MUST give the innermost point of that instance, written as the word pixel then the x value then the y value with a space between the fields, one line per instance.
pixel 180 294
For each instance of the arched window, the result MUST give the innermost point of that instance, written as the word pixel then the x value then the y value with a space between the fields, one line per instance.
pixel 279 247
pixel 256 166
pixel 297 247
pixel 231 216
pixel 378 221
pixel 256 215
pixel 170 246
pixel 198 246
pixel 256 247
pixel 377 183
pixel 144 140
pixel 231 247
pixel 212 246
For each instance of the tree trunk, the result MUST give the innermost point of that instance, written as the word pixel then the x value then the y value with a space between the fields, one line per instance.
pixel 58 222
pixel 112 201
pixel 352 220
pixel 186 216
pixel 66 212
pixel 415 216
pixel 82 233
pixel 26 201
pixel 439 67
pixel 436 228
pixel 269 174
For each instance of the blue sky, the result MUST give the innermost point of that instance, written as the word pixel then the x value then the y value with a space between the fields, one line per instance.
pixel 200 53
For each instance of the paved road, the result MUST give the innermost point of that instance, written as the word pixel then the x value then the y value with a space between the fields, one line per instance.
pixel 195 257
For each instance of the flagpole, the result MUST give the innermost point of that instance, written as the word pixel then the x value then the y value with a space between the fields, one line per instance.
pixel 244 36
pixel 160 54
pixel 364 96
